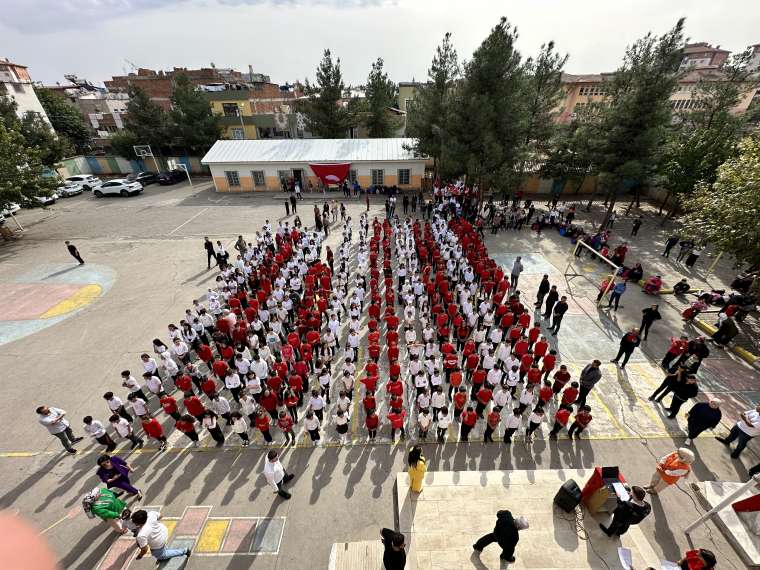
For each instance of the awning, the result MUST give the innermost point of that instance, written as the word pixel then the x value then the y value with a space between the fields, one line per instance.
pixel 332 173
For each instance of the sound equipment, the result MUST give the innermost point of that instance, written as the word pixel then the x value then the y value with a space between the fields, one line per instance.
pixel 569 496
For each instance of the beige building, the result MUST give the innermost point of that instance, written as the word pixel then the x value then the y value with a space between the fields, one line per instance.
pixel 16 83
pixel 254 165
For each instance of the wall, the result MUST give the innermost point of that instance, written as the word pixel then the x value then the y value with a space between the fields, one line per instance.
pixel 26 99
pixel 118 166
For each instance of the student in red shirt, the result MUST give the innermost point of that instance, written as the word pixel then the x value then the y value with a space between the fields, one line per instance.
pixel 460 399
pixel 561 377
pixel 396 418
pixel 522 346
pixel 570 394
pixel 169 404
pixel 262 423
pixel 186 424
pixel 560 419
pixel 525 363
pixel 545 393
pixel 394 387
pixel 374 352
pixel 455 380
pixel 492 424
pixel 582 419
pixel 484 397
pixel 208 387
pixel 291 401
pixel 285 423
pixel 469 419
pixel 540 349
pixel 206 355
pixel 534 375
pixel 533 335
pixel 220 369
pixel 185 384
pixel 550 360
pixel 372 421
pixel 369 402
pixel 154 430
pixel 194 407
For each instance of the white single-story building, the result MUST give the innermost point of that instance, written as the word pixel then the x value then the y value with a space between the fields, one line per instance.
pixel 252 165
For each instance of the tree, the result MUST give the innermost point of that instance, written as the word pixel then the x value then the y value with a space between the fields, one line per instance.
pixel 634 124
pixel 66 120
pixel 726 212
pixel 38 134
pixel 706 135
pixel 22 172
pixel 543 84
pixel 569 153
pixel 380 95
pixel 326 116
pixel 146 123
pixel 8 114
pixel 489 120
pixel 428 116
pixel 193 128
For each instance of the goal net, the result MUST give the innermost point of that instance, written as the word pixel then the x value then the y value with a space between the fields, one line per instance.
pixel 585 262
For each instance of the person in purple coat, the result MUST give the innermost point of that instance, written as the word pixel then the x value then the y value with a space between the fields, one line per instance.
pixel 114 472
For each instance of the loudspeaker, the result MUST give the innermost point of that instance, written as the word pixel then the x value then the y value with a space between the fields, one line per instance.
pixel 569 496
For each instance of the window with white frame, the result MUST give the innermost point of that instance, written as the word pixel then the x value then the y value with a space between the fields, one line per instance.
pixel 378 177
pixel 233 178
pixel 284 174
pixel 403 176
pixel 258 177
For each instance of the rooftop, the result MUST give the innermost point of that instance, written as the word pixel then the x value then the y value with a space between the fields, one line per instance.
pixel 6 61
pixel 309 150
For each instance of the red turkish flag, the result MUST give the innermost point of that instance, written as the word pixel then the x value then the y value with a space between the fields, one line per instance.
pixel 332 173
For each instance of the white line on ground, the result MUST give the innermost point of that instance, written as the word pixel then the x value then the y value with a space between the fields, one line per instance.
pixel 187 221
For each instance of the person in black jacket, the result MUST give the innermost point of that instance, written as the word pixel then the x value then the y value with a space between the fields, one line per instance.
pixel 627 513
pixel 703 416
pixel 628 344
pixel 551 300
pixel 506 533
pixel 208 245
pixel 394 557
pixel 543 289
pixel 558 313
pixel 648 317
pixel 682 392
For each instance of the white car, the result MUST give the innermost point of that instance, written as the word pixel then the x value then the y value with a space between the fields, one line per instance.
pixel 46 200
pixel 86 181
pixel 10 208
pixel 118 187
pixel 69 189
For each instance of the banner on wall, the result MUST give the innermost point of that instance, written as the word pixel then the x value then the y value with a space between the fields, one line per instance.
pixel 333 173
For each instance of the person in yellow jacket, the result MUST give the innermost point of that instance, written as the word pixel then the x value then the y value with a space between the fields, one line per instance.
pixel 416 469
pixel 670 469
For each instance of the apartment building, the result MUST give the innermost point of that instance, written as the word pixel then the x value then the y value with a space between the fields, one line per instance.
pixel 16 83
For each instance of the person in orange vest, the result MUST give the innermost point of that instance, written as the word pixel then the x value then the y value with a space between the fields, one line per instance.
pixel 670 469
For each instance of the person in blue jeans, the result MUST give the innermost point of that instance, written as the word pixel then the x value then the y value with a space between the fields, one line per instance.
pixel 616 293
pixel 152 536
pixel 744 430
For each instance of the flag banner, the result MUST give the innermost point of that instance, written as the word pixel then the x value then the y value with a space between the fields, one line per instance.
pixel 332 173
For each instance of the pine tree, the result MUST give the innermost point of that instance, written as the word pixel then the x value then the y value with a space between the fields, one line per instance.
pixel 192 127
pixel 66 120
pixel 146 124
pixel 326 116
pixel 635 123
pixel 428 115
pixel 380 93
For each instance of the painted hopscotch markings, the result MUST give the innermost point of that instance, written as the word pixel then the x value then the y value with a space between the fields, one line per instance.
pixel 207 535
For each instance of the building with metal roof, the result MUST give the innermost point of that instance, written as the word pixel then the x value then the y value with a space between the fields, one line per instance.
pixel 251 165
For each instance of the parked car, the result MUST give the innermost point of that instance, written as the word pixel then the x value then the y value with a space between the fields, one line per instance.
pixel 171 177
pixel 41 200
pixel 69 189
pixel 10 208
pixel 118 187
pixel 86 181
pixel 143 178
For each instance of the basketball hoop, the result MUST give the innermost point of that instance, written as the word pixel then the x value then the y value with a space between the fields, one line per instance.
pixel 143 151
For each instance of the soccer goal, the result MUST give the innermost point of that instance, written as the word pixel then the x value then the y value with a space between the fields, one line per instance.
pixel 575 267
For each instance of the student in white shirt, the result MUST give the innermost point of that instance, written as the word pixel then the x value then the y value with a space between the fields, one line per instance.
pixel 152 536
pixel 512 425
pixel 444 421
pixel 311 424
pixel 535 419
pixel 139 406
pixel 317 404
pixel 154 384
pixel 501 397
pixel 526 398
pixel 423 423
pixel 437 401
pixel 116 405
pixel 341 425
pixel 96 431
pixel 124 429
pixel 131 383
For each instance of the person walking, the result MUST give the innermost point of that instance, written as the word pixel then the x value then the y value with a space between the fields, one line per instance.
pixel 677 347
pixel 114 472
pixel 208 245
pixel 54 419
pixel 580 422
pixel 506 534
pixel 616 293
pixel 628 344
pixel 637 225
pixel 670 244
pixel 543 289
pixel 628 513
pixel 648 317
pixel 551 299
pixel 701 417
pixel 558 314
pixel 293 203
pixel 152 537
pixel 668 384
pixel 74 252
pixel 744 430
pixel 394 555
pixel 276 475
pixel 416 469
pixel 96 431
pixel 682 392
pixel 670 468
pixel 517 268
pixel 590 375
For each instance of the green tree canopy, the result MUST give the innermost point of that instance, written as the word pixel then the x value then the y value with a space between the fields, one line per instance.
pixel 326 116
pixel 146 124
pixel 429 114
pixel 192 128
pixel 726 212
pixel 380 94
pixel 21 169
pixel 66 120
pixel 39 135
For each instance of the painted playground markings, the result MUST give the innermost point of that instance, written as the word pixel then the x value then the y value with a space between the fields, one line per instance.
pixel 207 535
pixel 47 295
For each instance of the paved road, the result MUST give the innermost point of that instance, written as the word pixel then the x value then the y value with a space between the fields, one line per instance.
pixel 149 254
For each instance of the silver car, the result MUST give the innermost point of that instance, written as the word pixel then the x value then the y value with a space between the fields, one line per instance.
pixel 69 189
pixel 86 181
pixel 118 187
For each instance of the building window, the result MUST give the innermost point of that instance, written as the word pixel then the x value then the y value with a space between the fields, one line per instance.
pixel 352 176
pixel 378 177
pixel 233 179
pixel 238 133
pixel 403 176
pixel 284 175
pixel 258 177
pixel 18 87
pixel 231 109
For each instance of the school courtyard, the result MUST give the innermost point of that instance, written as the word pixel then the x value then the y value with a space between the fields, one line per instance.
pixel 66 332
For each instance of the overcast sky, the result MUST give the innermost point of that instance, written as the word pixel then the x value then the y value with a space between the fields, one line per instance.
pixel 285 38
